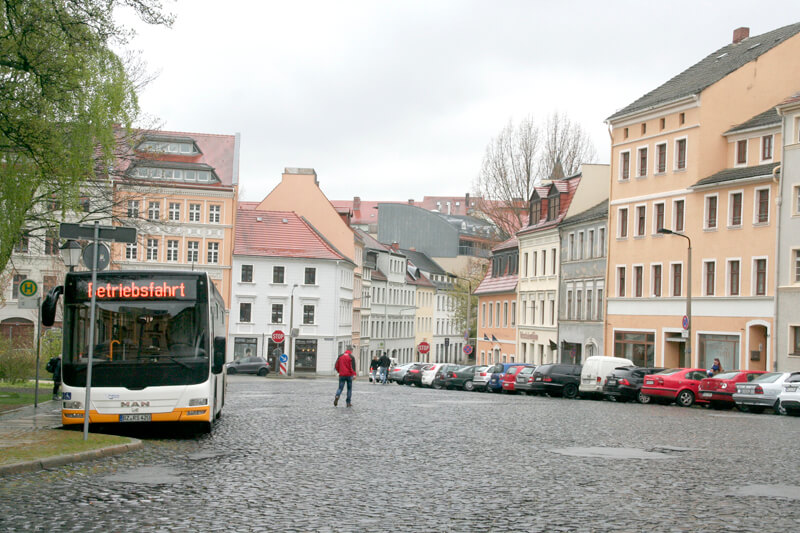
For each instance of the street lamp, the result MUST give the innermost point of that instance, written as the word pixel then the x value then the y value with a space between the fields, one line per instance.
pixel 291 330
pixel 71 253
pixel 666 231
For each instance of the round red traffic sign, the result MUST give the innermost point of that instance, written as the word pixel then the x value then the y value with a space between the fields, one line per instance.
pixel 467 349
pixel 277 336
pixel 424 347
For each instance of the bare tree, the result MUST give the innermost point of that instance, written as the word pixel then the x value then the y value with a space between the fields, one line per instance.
pixel 519 158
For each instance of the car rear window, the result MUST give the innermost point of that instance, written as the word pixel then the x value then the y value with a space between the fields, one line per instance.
pixel 669 371
pixel 727 375
pixel 527 370
pixel 772 377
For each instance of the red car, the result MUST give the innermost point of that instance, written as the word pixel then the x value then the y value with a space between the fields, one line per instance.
pixel 677 385
pixel 510 377
pixel 718 390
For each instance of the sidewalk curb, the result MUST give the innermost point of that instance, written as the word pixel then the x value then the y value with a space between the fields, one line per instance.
pixel 61 460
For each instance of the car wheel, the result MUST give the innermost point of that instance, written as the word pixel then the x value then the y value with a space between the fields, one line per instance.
pixel 262 372
pixel 757 409
pixel 743 408
pixel 468 386
pixel 437 386
pixel 642 398
pixel 778 408
pixel 399 382
pixel 570 391
pixel 231 371
pixel 685 398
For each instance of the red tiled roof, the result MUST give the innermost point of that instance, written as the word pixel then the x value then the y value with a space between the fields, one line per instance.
pixel 502 284
pixel 278 234
pixel 567 187
pixel 248 205
pixel 507 244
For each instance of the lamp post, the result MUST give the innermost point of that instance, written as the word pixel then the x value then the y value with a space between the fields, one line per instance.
pixel 666 231
pixel 291 331
pixel 71 253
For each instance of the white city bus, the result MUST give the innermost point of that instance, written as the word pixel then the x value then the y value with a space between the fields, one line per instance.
pixel 159 347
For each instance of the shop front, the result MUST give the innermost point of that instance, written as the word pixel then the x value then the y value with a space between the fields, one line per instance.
pixel 638 346
pixel 305 355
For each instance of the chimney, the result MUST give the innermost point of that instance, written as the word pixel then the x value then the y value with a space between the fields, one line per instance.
pixel 356 203
pixel 395 246
pixel 466 202
pixel 410 201
pixel 740 34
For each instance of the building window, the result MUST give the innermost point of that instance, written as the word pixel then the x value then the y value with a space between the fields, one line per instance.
pixel 623 223
pixel 213 253
pixel 766 147
pixel 569 305
pixel 544 262
pixel 711 212
pixel 762 206
pixel 174 211
pixel 536 211
pixel 192 251
pixel 154 210
pixel 305 355
pixel 644 128
pixel 311 276
pixel 244 312
pixel 589 303
pixel 736 209
pixel 23 244
pixel 535 263
pixel 641 219
pixel 661 158
pixel 194 212
pixel 624 165
pixel 678 214
pixel 553 203
pixel 491 314
pixel 636 346
pixel 795 340
pixel 637 281
pixel 277 314
pixel 657 281
pixel 682 119
pixel 733 278
pixel 659 218
pixel 642 162
pixel 552 312
pixel 680 154
pixel 51 244
pixel 760 268
pixel 505 314
pixel 581 245
pixel 599 304
pixel 308 314
pixel 579 304
pixel 513 314
pixel 677 271
pixel 710 277
pixel 797 266
pixel 621 282
pixel 172 251
pixel 571 246
pixel 601 242
pixel 590 244
pixel 17 280
pixel 277 274
pixel 214 211
pixel 724 347
pixel 152 249
pixel 247 273
pixel 130 250
pixel 741 152
pixel 133 208
pixel 663 123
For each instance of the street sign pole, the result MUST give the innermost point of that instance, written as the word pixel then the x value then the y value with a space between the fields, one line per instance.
pixel 38 350
pixel 92 334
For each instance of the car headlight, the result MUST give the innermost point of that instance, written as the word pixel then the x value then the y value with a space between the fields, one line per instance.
pixel 198 401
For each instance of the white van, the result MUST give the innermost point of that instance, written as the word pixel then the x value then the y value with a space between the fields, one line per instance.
pixel 594 372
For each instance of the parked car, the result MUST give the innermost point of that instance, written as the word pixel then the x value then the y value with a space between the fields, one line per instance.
pixel 594 371
pixel 398 373
pixel 429 372
pixel 522 379
pixel 510 378
pixel 248 365
pixel 554 380
pixel 414 374
pixel 625 383
pixel 498 371
pixel 762 392
pixel 677 385
pixel 790 396
pixel 443 374
pixel 481 377
pixel 719 389
pixel 460 377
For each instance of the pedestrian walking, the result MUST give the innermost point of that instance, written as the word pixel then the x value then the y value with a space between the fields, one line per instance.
pixel 346 367
pixel 373 369
pixel 54 366
pixel 384 363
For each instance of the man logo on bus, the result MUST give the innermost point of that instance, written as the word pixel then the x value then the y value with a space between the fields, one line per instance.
pixel 134 404
pixel 132 290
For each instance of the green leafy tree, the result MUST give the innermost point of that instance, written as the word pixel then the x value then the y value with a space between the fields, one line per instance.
pixel 65 95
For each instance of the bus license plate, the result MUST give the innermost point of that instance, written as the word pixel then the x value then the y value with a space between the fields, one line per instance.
pixel 135 418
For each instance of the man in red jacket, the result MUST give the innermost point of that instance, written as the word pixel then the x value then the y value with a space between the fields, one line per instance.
pixel 346 367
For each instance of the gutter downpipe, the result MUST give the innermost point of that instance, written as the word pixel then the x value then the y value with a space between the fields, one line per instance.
pixel 607 248
pixel 778 202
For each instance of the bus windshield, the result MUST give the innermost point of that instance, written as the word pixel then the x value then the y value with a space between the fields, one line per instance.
pixel 138 343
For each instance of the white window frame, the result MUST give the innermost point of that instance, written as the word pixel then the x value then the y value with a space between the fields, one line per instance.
pixel 794 263
pixel 705 278
pixel 731 225
pixel 636 221
pixel 617 270
pixel 754 275
pixel 212 250
pixel 675 213
pixel 174 211
pixel 175 252
pixel 620 176
pixel 151 250
pixel 214 213
pixel 633 280
pixel 761 148
pixel 154 210
pixel 656 172
pixel 706 227
pixel 728 261
pixel 796 200
pixel 655 217
pixel 755 206
pixel 193 248
pixel 195 215
pixel 571 247
pixel 653 280
pixel 131 250
pixel 642 172
pixel 675 154
pixel 619 222
pixel 590 236
pixel 580 245
pixel 672 279
pixel 736 163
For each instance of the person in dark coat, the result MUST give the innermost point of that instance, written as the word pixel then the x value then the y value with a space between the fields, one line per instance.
pixel 373 369
pixel 55 364
pixel 384 363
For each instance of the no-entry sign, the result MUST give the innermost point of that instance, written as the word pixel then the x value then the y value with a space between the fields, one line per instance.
pixel 277 336
pixel 424 347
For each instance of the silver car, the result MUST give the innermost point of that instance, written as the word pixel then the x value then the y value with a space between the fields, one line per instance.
pixel 761 393
pixel 397 373
pixel 481 378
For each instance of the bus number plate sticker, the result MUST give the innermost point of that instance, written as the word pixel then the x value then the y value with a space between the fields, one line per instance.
pixel 136 418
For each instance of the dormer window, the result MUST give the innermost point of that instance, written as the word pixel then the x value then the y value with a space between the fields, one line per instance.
pixel 172 171
pixel 553 206
pixel 169 145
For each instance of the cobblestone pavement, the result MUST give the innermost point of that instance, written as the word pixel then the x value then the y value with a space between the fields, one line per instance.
pixel 284 458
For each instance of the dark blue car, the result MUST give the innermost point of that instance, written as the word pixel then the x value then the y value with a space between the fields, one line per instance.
pixel 495 383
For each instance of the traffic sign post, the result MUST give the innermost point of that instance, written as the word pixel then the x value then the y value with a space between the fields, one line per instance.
pixel 283 360
pixel 467 349
pixel 278 336
pixel 424 347
pixel 28 298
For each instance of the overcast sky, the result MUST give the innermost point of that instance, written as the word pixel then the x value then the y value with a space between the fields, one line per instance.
pixel 398 100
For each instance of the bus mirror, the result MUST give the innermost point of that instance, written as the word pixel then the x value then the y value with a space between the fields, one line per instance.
pixel 50 304
pixel 219 354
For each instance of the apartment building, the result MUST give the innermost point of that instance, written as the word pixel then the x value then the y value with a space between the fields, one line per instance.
pixel 695 157
pixel 497 307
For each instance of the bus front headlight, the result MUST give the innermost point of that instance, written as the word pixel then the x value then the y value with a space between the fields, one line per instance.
pixel 74 404
pixel 198 401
